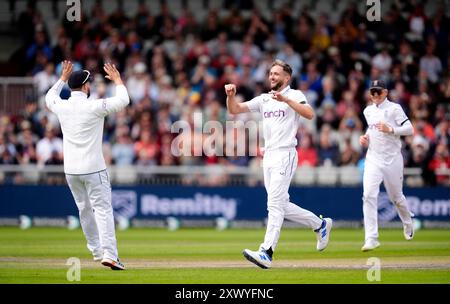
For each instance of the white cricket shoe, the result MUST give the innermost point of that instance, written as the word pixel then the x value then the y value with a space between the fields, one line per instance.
pixel 260 258
pixel 323 234
pixel 114 265
pixel 408 231
pixel 370 244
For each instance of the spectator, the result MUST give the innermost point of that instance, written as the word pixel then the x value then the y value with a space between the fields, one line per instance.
pixel 328 149
pixel 211 26
pixel 122 149
pixel 146 149
pixel 27 145
pixel 431 65
pixel 138 83
pixel 45 79
pixel 440 164
pixel 382 61
pixel 349 156
pixel 40 46
pixel 49 146
pixel 307 154
pixel 288 55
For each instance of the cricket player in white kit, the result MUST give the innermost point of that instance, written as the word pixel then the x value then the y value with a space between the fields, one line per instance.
pixel 82 123
pixel 281 110
pixel 386 122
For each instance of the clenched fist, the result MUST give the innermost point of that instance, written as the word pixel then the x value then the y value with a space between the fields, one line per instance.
pixel 230 89
pixel 364 140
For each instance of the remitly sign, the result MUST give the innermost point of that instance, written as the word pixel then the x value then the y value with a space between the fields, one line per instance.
pixel 198 205
pixel 430 208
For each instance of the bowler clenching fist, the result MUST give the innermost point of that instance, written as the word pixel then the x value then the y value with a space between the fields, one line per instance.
pixel 230 89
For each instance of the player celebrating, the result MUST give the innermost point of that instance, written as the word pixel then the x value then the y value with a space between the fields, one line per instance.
pixel 82 127
pixel 384 161
pixel 281 110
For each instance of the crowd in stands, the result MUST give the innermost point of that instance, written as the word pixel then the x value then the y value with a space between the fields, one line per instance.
pixel 177 65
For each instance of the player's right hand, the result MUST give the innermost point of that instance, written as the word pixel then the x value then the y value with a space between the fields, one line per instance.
pixel 66 70
pixel 230 89
pixel 364 140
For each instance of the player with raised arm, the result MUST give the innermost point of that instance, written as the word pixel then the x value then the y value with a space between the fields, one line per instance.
pixel 386 122
pixel 82 123
pixel 281 110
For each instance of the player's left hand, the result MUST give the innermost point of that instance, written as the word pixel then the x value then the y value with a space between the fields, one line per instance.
pixel 278 96
pixel 383 127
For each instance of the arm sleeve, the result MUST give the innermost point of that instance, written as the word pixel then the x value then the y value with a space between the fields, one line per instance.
pixel 300 97
pixel 404 126
pixel 105 106
pixel 405 129
pixel 52 97
pixel 254 105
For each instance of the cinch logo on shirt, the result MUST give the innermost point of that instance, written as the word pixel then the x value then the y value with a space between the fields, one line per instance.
pixel 277 113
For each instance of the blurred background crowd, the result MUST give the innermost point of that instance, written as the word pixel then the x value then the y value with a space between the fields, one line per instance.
pixel 176 64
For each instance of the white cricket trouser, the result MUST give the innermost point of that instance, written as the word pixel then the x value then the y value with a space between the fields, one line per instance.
pixel 92 194
pixel 392 177
pixel 279 167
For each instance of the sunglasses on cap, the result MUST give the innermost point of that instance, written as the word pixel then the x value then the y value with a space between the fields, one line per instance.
pixel 376 91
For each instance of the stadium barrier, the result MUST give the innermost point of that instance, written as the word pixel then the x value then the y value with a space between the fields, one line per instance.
pixel 238 206
pixel 212 175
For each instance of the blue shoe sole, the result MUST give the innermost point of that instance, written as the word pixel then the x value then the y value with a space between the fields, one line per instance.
pixel 251 259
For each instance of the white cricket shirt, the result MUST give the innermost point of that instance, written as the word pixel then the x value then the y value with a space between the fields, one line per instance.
pixel 383 147
pixel 280 121
pixel 82 123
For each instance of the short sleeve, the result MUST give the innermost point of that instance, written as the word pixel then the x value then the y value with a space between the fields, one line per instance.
pixel 400 116
pixel 299 97
pixel 254 105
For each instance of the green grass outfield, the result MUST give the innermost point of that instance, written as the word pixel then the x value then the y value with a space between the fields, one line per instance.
pixel 39 255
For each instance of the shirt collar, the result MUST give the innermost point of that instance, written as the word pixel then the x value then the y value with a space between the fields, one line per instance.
pixel 285 89
pixel 383 103
pixel 78 94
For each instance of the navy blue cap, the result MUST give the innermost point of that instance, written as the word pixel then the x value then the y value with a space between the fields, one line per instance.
pixel 378 84
pixel 78 78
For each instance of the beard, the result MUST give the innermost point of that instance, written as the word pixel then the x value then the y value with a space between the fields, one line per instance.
pixel 276 86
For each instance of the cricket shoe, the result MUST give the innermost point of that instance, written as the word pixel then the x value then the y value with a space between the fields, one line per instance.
pixel 370 244
pixel 408 231
pixel 260 258
pixel 115 265
pixel 323 234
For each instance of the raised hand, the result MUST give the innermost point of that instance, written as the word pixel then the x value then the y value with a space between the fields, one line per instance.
pixel 278 96
pixel 230 89
pixel 112 73
pixel 67 67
